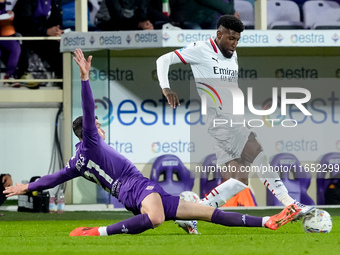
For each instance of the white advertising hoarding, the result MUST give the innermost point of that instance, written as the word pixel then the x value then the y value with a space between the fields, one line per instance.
pixel 116 40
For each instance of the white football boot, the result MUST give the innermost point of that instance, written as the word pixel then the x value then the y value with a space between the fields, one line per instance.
pixel 305 209
pixel 189 226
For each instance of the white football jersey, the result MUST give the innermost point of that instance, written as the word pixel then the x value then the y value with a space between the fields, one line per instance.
pixel 213 74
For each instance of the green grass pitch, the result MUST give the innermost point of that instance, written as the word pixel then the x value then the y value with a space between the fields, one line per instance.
pixel 39 233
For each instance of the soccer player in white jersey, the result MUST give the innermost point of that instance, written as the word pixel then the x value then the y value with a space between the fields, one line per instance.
pixel 214 65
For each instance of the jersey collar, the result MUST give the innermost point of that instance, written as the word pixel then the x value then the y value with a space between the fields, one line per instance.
pixel 213 44
pixel 216 49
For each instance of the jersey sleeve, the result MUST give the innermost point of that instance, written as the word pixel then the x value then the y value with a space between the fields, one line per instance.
pixel 52 180
pixel 185 55
pixel 163 65
pixel 190 54
pixel 90 132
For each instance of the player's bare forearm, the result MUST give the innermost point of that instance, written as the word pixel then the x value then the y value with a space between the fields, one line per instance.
pixel 172 97
pixel 84 65
pixel 18 189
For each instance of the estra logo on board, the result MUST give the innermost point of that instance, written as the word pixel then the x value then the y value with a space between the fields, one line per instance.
pixel 308 38
pixel 300 145
pixel 172 147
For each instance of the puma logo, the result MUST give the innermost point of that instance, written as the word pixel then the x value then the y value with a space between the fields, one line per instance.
pixel 216 59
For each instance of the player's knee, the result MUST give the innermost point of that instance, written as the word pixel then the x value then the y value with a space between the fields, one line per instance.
pixel 157 219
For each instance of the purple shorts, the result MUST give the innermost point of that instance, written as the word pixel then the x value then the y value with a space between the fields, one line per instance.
pixel 135 189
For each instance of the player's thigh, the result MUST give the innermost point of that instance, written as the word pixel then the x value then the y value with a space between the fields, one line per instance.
pixel 193 211
pixel 153 206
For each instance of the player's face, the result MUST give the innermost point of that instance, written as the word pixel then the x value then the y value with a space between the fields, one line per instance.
pixel 227 41
pixel 101 132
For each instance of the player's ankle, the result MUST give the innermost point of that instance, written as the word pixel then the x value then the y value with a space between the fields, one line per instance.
pixel 264 220
pixel 285 199
pixel 102 231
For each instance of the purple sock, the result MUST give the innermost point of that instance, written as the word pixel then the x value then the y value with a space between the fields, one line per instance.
pixel 134 225
pixel 233 219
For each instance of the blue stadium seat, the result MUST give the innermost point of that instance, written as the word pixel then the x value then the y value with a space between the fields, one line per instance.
pixel 246 11
pixel 321 15
pixel 332 161
pixel 171 174
pixel 283 15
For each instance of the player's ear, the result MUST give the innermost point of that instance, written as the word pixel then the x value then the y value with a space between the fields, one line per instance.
pixel 219 34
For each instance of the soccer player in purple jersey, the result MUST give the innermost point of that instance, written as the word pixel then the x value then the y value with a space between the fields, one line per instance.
pixel 214 65
pixel 98 162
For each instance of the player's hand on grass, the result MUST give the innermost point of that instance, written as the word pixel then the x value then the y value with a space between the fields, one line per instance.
pixel 172 97
pixel 18 189
pixel 84 65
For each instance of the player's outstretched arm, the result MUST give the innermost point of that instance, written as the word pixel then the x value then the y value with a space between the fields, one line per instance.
pixel 18 189
pixel 84 65
pixel 92 134
pixel 163 64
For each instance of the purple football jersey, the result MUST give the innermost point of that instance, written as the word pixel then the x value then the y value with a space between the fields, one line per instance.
pixel 95 160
